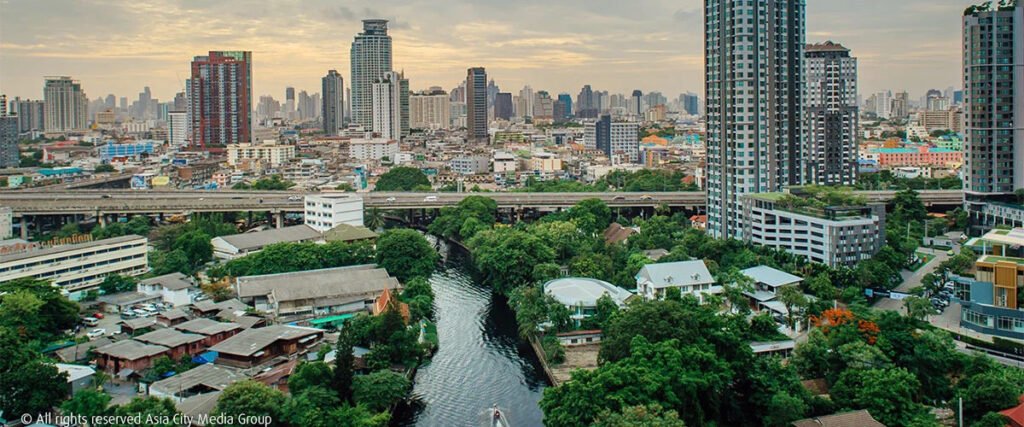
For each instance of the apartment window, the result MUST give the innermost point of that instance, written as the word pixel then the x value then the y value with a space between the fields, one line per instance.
pixel 973 317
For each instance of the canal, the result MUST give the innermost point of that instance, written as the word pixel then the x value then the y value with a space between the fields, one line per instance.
pixel 480 362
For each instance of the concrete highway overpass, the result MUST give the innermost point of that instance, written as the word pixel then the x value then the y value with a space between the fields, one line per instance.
pixel 95 202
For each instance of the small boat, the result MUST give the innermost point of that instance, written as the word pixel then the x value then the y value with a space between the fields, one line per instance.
pixel 498 418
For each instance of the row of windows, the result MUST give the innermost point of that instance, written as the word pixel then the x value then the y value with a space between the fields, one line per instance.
pixel 29 263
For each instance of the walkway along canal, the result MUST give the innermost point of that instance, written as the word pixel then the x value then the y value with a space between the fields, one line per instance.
pixel 480 361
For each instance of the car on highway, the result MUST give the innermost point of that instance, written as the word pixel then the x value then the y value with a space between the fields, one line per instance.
pixel 430 199
pixel 390 200
pixel 96 333
pixel 294 198
pixel 619 198
pixel 646 197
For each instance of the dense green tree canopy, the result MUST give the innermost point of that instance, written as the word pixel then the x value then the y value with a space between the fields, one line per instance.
pixel 405 253
pixel 252 399
pixel 402 178
pixel 460 222
pixel 288 257
pixel 380 390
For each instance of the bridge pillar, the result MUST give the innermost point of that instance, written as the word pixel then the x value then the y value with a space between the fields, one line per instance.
pixel 24 227
pixel 101 219
pixel 279 220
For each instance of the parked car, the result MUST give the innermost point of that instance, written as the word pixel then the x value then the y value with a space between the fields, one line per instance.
pixel 128 314
pixel 96 333
pixel 90 321
pixel 98 315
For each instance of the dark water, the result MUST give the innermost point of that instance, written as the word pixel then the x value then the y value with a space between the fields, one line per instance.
pixel 481 361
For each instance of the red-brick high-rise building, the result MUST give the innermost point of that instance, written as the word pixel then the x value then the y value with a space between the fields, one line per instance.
pixel 220 99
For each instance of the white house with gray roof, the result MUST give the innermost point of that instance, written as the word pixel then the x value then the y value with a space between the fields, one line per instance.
pixel 173 288
pixel 580 294
pixel 767 282
pixel 690 277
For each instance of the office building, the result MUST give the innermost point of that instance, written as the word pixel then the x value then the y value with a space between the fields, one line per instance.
pixel 563 108
pixel 373 149
pixel 326 211
pixel 524 108
pixel 951 119
pixel 476 105
pixel 833 235
pixel 900 106
pixel 469 165
pixel 691 103
pixel 991 300
pixel 503 106
pixel 65 106
pixel 9 156
pixel 430 109
pixel 587 103
pixel 333 103
pixel 993 110
pixel 391 106
pixel 832 115
pixel 755 134
pixel 618 140
pixel 543 106
pixel 370 59
pixel 272 155
pixel 78 267
pixel 636 103
pixel 289 102
pixel 177 129
pixel 220 99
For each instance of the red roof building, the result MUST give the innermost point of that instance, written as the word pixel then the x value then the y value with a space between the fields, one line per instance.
pixel 1015 414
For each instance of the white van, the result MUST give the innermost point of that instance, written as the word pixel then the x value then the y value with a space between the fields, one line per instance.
pixel 90 321
pixel 430 199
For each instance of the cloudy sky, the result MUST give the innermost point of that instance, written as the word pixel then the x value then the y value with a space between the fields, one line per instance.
pixel 119 46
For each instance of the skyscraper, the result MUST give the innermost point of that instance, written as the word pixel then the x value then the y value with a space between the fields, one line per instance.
pixel 64 104
pixel 9 156
pixel 220 99
pixel 503 106
pixel 333 109
pixel 177 129
pixel 289 102
pixel 30 114
pixel 476 105
pixel 636 102
pixel 832 114
pixel 525 107
pixel 587 106
pixel 566 111
pixel 755 102
pixel 691 104
pixel 430 109
pixel 370 58
pixel 993 111
pixel 391 106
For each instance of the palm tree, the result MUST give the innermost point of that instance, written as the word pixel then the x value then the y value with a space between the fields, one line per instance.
pixel 374 219
pixel 734 283
pixel 99 379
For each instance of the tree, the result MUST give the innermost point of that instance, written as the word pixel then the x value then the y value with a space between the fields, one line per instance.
pixel 919 308
pixel 994 389
pixel 546 271
pixel 169 262
pixel 591 215
pixel 401 178
pixel 597 266
pixel 374 219
pixel 793 299
pixel 308 375
pixel 116 283
pixel 639 416
pixel 102 168
pixel 55 315
pixel 19 311
pixel 406 254
pixel 196 246
pixel 32 387
pixel 152 409
pixel 992 419
pixel 380 390
pixel 252 399
pixel 87 403
pixel 420 297
pixel 500 255
pixel 889 394
pixel 344 366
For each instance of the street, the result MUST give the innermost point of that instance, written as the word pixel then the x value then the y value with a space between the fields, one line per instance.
pixel 912 279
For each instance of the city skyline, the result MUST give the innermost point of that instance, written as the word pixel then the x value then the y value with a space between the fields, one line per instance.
pixel 652 45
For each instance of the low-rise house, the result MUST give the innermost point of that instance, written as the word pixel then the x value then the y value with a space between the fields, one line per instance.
pixel 119 302
pixel 178 343
pixel 138 326
pixel 616 233
pixel 277 377
pixel 349 233
pixel 1015 415
pixel 213 331
pixel 387 301
pixel 767 283
pixel 861 418
pixel 575 338
pixel 172 288
pixel 253 347
pixel 127 357
pixel 690 277
pixel 239 245
pixel 580 295
pixel 304 294
pixel 773 348
pixel 81 352
pixel 79 377
pixel 198 407
pixel 172 317
pixel 200 380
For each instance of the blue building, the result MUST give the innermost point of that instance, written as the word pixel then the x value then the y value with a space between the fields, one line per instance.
pixel 992 302
pixel 132 149
pixel 566 101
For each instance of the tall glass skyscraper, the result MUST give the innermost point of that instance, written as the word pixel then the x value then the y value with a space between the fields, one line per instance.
pixel 993 111
pixel 371 58
pixel 476 105
pixel 754 59
pixel 333 109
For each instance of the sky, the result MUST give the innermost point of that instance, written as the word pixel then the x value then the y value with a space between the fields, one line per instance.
pixel 120 46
